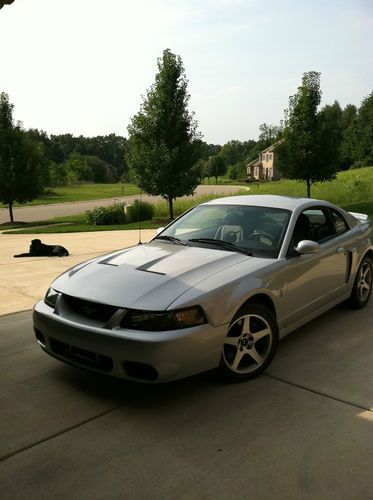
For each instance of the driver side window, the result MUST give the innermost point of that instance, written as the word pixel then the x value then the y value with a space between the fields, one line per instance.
pixel 312 224
pixel 302 231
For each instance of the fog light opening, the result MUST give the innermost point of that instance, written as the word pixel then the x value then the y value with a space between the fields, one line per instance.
pixel 40 337
pixel 141 371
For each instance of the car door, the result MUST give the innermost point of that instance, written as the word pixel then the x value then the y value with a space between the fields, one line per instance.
pixel 314 280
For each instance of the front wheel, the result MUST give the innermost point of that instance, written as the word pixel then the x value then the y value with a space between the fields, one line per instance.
pixel 363 284
pixel 250 343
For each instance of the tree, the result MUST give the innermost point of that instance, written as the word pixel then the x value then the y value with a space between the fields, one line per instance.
pixel 349 136
pixel 365 131
pixel 216 166
pixel 235 151
pixel 331 134
pixel 301 153
pixel 269 134
pixel 77 170
pixel 163 138
pixel 22 165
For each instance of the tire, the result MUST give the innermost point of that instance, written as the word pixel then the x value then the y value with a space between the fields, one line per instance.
pixel 250 343
pixel 363 285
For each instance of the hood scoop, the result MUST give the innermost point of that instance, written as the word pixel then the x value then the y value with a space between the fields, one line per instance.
pixel 147 267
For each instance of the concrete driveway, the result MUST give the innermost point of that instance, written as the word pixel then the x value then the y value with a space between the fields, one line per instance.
pixel 24 281
pixel 304 430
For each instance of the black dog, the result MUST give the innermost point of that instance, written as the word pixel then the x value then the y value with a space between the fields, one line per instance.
pixel 39 249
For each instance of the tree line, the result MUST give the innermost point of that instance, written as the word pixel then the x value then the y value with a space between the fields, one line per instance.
pixel 72 159
pixel 165 154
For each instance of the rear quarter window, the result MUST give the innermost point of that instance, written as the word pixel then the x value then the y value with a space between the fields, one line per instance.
pixel 340 224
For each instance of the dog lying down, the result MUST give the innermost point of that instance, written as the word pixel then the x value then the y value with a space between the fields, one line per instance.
pixel 39 249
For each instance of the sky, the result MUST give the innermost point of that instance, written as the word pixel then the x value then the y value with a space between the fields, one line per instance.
pixel 81 66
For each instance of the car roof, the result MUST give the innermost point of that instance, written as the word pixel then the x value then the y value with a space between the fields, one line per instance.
pixel 266 200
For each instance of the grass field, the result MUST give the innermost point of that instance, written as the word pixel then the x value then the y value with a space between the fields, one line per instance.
pixel 83 192
pixel 77 224
pixel 352 190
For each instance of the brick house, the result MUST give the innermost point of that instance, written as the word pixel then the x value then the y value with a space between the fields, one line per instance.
pixel 264 166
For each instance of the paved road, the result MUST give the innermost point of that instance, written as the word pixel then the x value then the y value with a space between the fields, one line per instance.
pixel 44 212
pixel 302 431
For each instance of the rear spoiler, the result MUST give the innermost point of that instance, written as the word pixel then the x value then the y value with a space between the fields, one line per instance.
pixel 359 217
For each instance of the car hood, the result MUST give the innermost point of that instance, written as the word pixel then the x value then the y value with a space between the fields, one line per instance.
pixel 149 276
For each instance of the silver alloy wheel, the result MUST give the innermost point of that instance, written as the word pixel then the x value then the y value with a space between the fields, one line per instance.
pixel 364 282
pixel 248 344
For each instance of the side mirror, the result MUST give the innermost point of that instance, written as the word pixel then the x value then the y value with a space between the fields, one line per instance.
pixel 159 230
pixel 307 247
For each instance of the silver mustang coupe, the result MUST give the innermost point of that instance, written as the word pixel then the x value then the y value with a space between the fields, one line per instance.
pixel 217 288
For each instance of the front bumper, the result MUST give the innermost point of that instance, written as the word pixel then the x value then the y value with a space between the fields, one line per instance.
pixel 135 355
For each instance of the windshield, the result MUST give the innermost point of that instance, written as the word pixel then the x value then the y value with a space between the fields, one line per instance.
pixel 258 231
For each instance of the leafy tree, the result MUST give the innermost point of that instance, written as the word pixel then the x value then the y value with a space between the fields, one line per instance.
pixel 365 132
pixel 201 167
pixel 235 151
pixel 349 136
pixel 301 154
pixel 216 167
pixel 22 165
pixel 331 134
pixel 237 171
pixel 109 148
pixel 77 169
pixel 163 136
pixel 101 172
pixel 57 174
pixel 269 134
pixel 61 147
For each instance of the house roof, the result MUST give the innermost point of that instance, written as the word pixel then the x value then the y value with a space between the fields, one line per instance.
pixel 254 163
pixel 272 147
pixel 257 161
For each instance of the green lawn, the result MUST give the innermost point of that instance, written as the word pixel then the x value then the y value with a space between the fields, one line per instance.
pixel 76 224
pixel 351 190
pixel 83 192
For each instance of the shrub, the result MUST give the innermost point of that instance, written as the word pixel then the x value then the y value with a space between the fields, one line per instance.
pixel 106 216
pixel 140 210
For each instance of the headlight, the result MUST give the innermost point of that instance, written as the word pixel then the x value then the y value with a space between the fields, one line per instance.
pixel 162 321
pixel 51 297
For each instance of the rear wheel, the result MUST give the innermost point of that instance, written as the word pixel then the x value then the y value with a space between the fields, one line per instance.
pixel 250 343
pixel 363 284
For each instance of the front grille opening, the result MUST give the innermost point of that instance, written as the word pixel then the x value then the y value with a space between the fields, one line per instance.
pixel 140 371
pixel 82 356
pixel 92 310
pixel 40 337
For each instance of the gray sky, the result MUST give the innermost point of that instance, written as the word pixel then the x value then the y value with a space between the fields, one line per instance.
pixel 81 66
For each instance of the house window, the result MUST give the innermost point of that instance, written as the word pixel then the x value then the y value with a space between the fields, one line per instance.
pixel 270 173
pixel 267 156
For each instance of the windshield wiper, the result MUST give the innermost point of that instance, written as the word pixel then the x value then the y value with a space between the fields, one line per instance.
pixel 221 243
pixel 172 239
